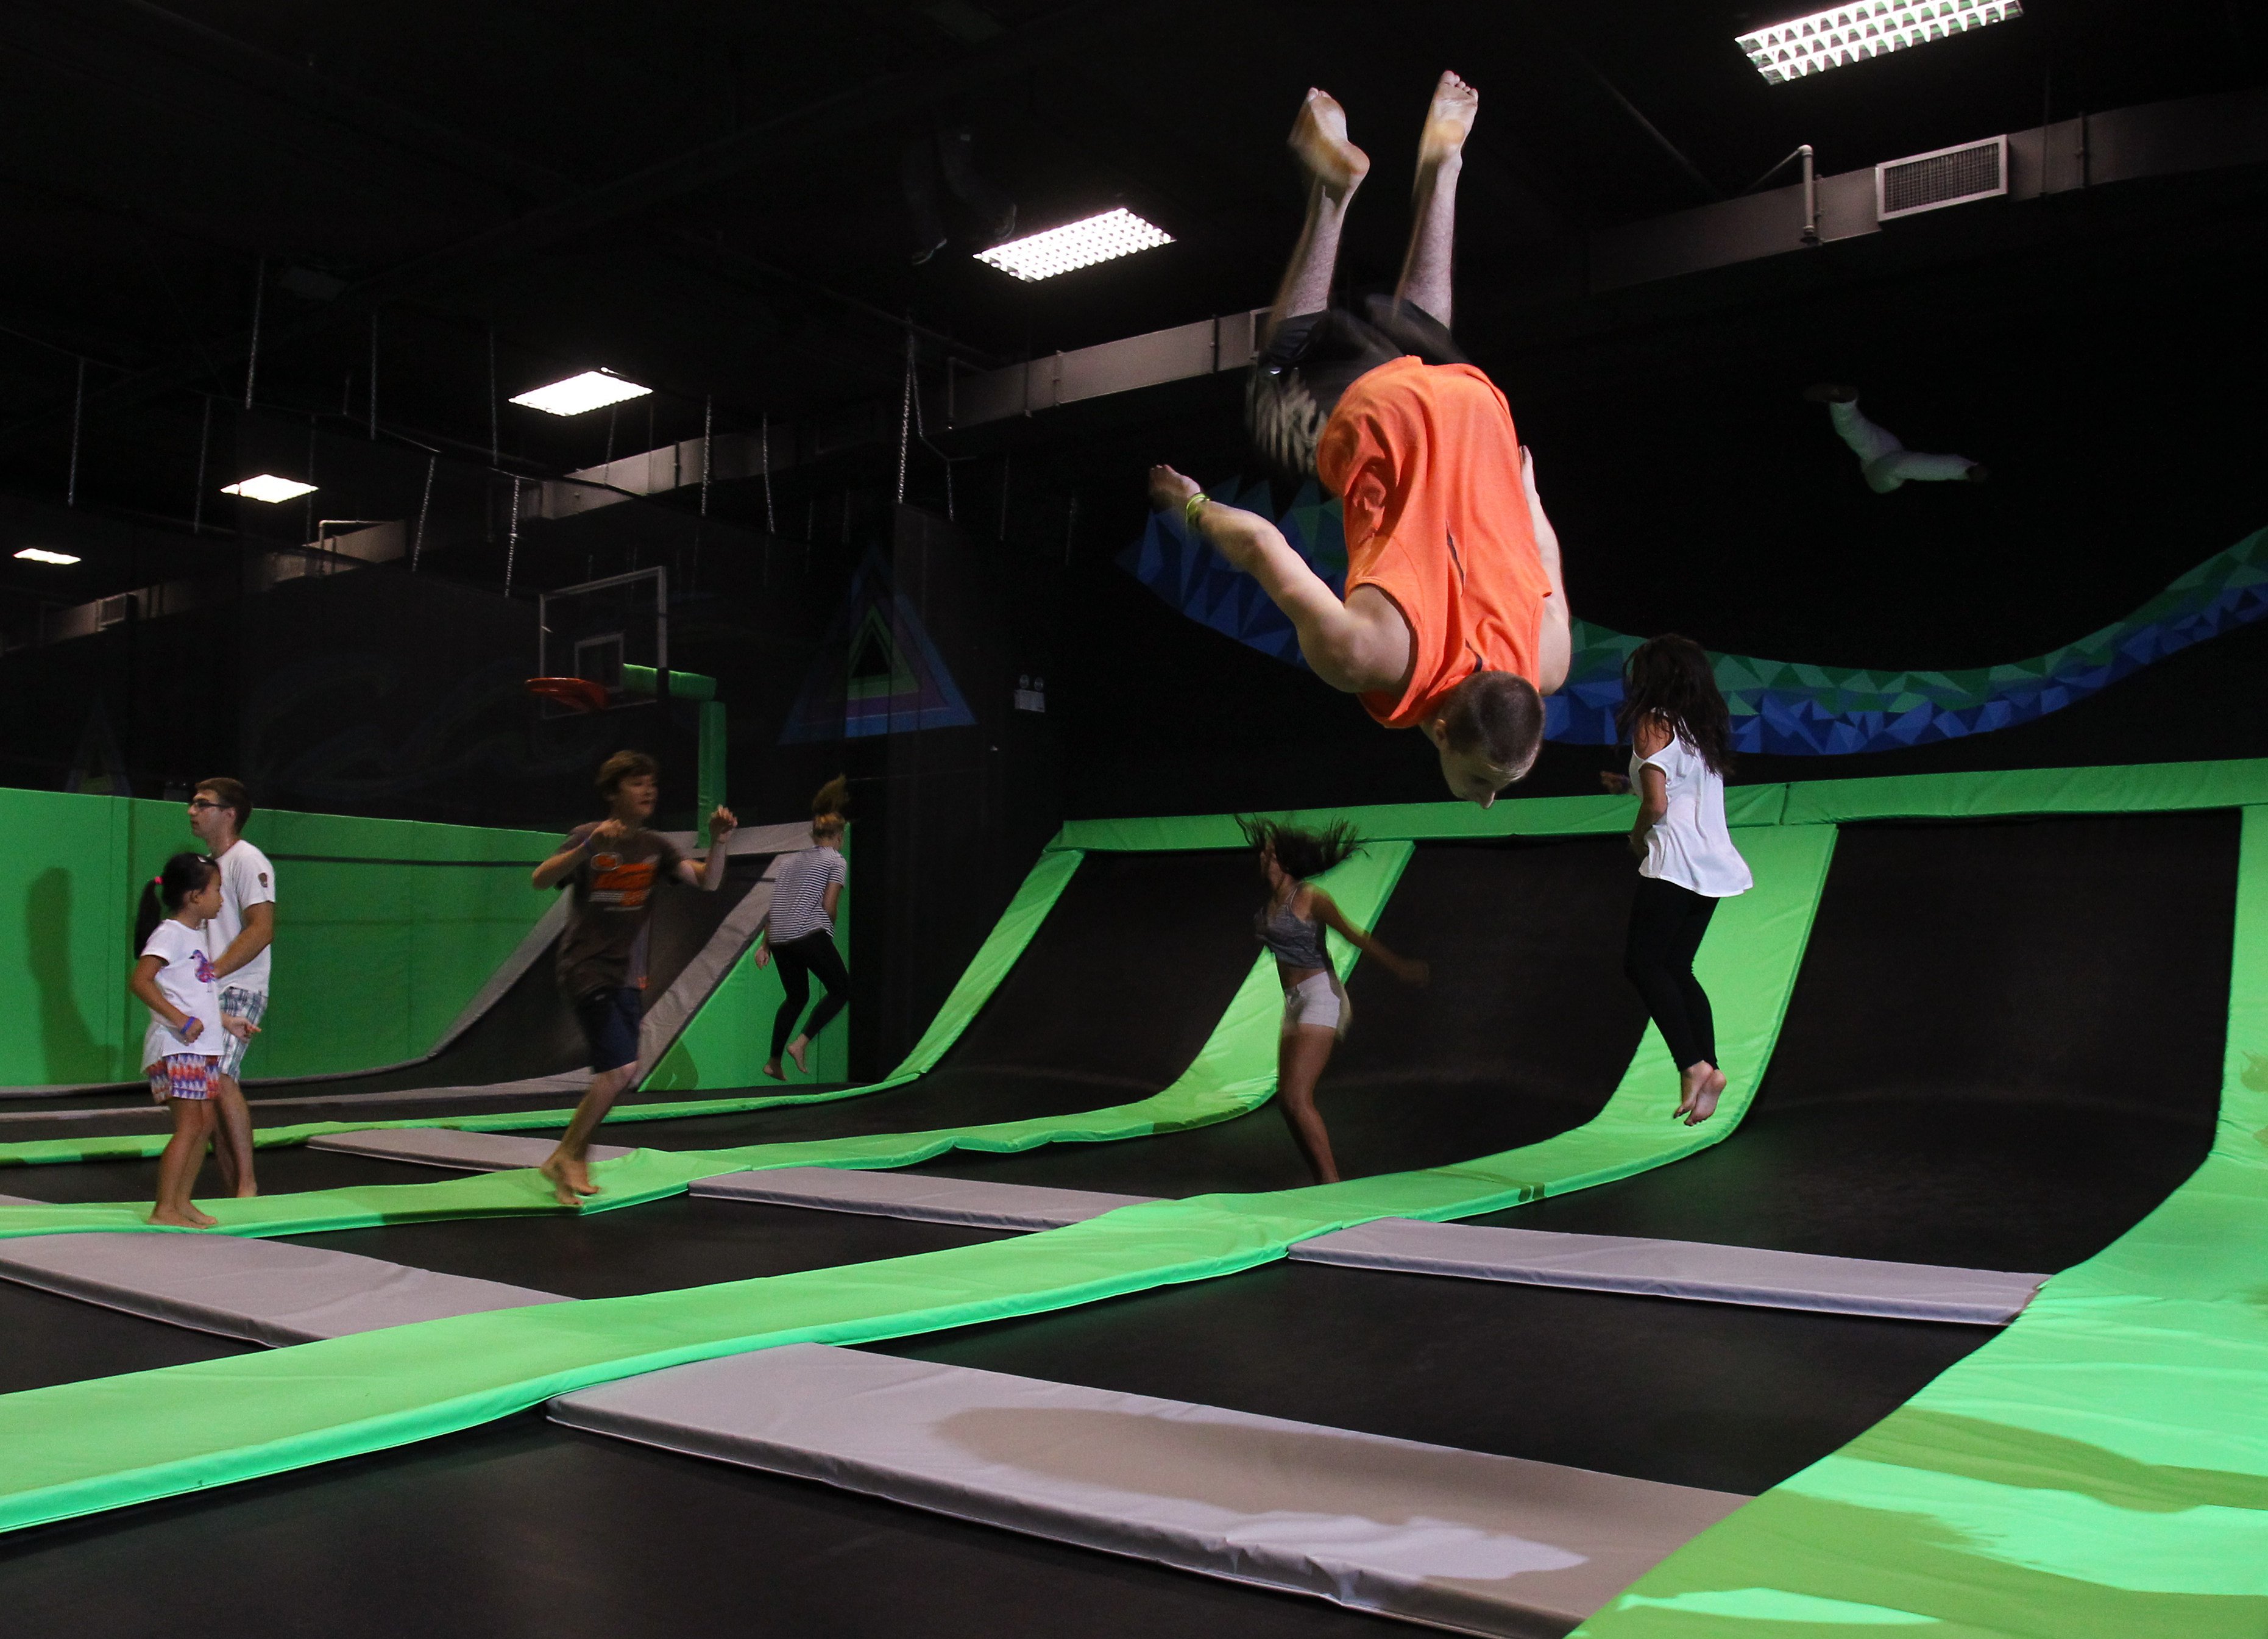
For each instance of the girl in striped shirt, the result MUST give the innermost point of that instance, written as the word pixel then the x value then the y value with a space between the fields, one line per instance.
pixel 799 931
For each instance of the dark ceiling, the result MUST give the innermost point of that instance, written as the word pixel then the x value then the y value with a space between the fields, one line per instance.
pixel 708 198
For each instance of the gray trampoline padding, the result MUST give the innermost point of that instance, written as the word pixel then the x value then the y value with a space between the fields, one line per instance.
pixel 446 1146
pixel 916 1195
pixel 1689 1269
pixel 1463 1539
pixel 262 1291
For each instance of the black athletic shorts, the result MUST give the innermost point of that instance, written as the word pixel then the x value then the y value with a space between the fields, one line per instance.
pixel 609 1018
pixel 1298 378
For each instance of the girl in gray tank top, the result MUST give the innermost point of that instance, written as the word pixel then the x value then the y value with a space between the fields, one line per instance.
pixel 1315 1009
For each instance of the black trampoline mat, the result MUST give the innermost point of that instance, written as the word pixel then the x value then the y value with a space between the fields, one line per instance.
pixel 1118 989
pixel 661 1246
pixel 1699 1394
pixel 145 1116
pixel 520 1527
pixel 2003 1049
pixel 51 1338
pixel 279 1172
pixel 1524 1032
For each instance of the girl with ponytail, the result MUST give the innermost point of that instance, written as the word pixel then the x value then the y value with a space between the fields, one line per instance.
pixel 798 930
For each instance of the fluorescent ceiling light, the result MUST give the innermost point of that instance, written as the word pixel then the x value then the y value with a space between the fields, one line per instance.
pixel 269 488
pixel 40 555
pixel 593 389
pixel 1118 233
pixel 1845 34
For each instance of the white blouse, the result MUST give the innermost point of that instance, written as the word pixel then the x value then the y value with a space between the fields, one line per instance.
pixel 1689 844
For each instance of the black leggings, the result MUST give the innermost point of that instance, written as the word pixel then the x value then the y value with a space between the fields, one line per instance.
pixel 1297 380
pixel 1667 922
pixel 799 959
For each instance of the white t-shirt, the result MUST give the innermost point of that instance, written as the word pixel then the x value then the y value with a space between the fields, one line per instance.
pixel 187 981
pixel 247 879
pixel 1689 844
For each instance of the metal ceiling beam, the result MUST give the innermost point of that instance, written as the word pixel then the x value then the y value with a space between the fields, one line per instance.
pixel 1072 27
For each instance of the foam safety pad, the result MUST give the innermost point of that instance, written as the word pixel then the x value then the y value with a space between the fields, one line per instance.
pixel 918 1195
pixel 264 1291
pixel 1492 1545
pixel 1690 1269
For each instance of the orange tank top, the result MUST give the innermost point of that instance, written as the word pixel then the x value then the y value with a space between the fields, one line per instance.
pixel 1427 465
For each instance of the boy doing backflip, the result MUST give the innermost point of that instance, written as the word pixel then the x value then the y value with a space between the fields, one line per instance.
pixel 612 866
pixel 1455 619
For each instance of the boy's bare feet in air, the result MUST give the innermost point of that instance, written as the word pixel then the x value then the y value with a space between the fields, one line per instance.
pixel 1449 122
pixel 570 1180
pixel 1319 141
pixel 799 1049
pixel 772 1069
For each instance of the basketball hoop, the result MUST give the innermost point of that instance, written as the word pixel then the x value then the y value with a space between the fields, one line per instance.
pixel 576 694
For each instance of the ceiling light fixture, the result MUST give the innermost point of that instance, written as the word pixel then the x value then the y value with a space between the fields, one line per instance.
pixel 1845 34
pixel 40 555
pixel 1118 233
pixel 269 488
pixel 593 389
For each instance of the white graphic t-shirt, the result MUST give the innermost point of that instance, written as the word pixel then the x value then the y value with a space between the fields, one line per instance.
pixel 247 879
pixel 187 981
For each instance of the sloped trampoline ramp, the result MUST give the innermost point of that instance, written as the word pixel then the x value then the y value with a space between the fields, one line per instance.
pixel 1461 1540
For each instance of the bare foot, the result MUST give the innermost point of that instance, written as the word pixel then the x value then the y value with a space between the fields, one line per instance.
pixel 1704 1101
pixel 246 1191
pixel 570 1180
pixel 1690 1081
pixel 1449 122
pixel 1319 141
pixel 188 1219
pixel 772 1069
pixel 799 1049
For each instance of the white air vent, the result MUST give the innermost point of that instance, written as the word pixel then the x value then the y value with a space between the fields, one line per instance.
pixel 1949 176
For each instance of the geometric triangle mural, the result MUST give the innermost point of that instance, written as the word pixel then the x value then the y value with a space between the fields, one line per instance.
pixel 877 672
pixel 1778 706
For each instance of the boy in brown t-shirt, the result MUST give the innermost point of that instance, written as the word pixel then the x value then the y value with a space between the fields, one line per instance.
pixel 612 866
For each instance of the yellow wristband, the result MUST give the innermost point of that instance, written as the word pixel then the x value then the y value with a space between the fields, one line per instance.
pixel 1189 511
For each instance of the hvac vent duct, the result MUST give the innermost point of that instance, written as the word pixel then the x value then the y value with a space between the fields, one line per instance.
pixel 1949 176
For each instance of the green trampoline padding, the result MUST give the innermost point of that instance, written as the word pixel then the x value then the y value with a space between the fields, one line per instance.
pixel 1035 897
pixel 79 1447
pixel 2098 1470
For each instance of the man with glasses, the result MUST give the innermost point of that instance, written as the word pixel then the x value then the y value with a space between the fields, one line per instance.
pixel 238 941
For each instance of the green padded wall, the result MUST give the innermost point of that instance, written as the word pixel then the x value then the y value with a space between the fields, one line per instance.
pixel 386 928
